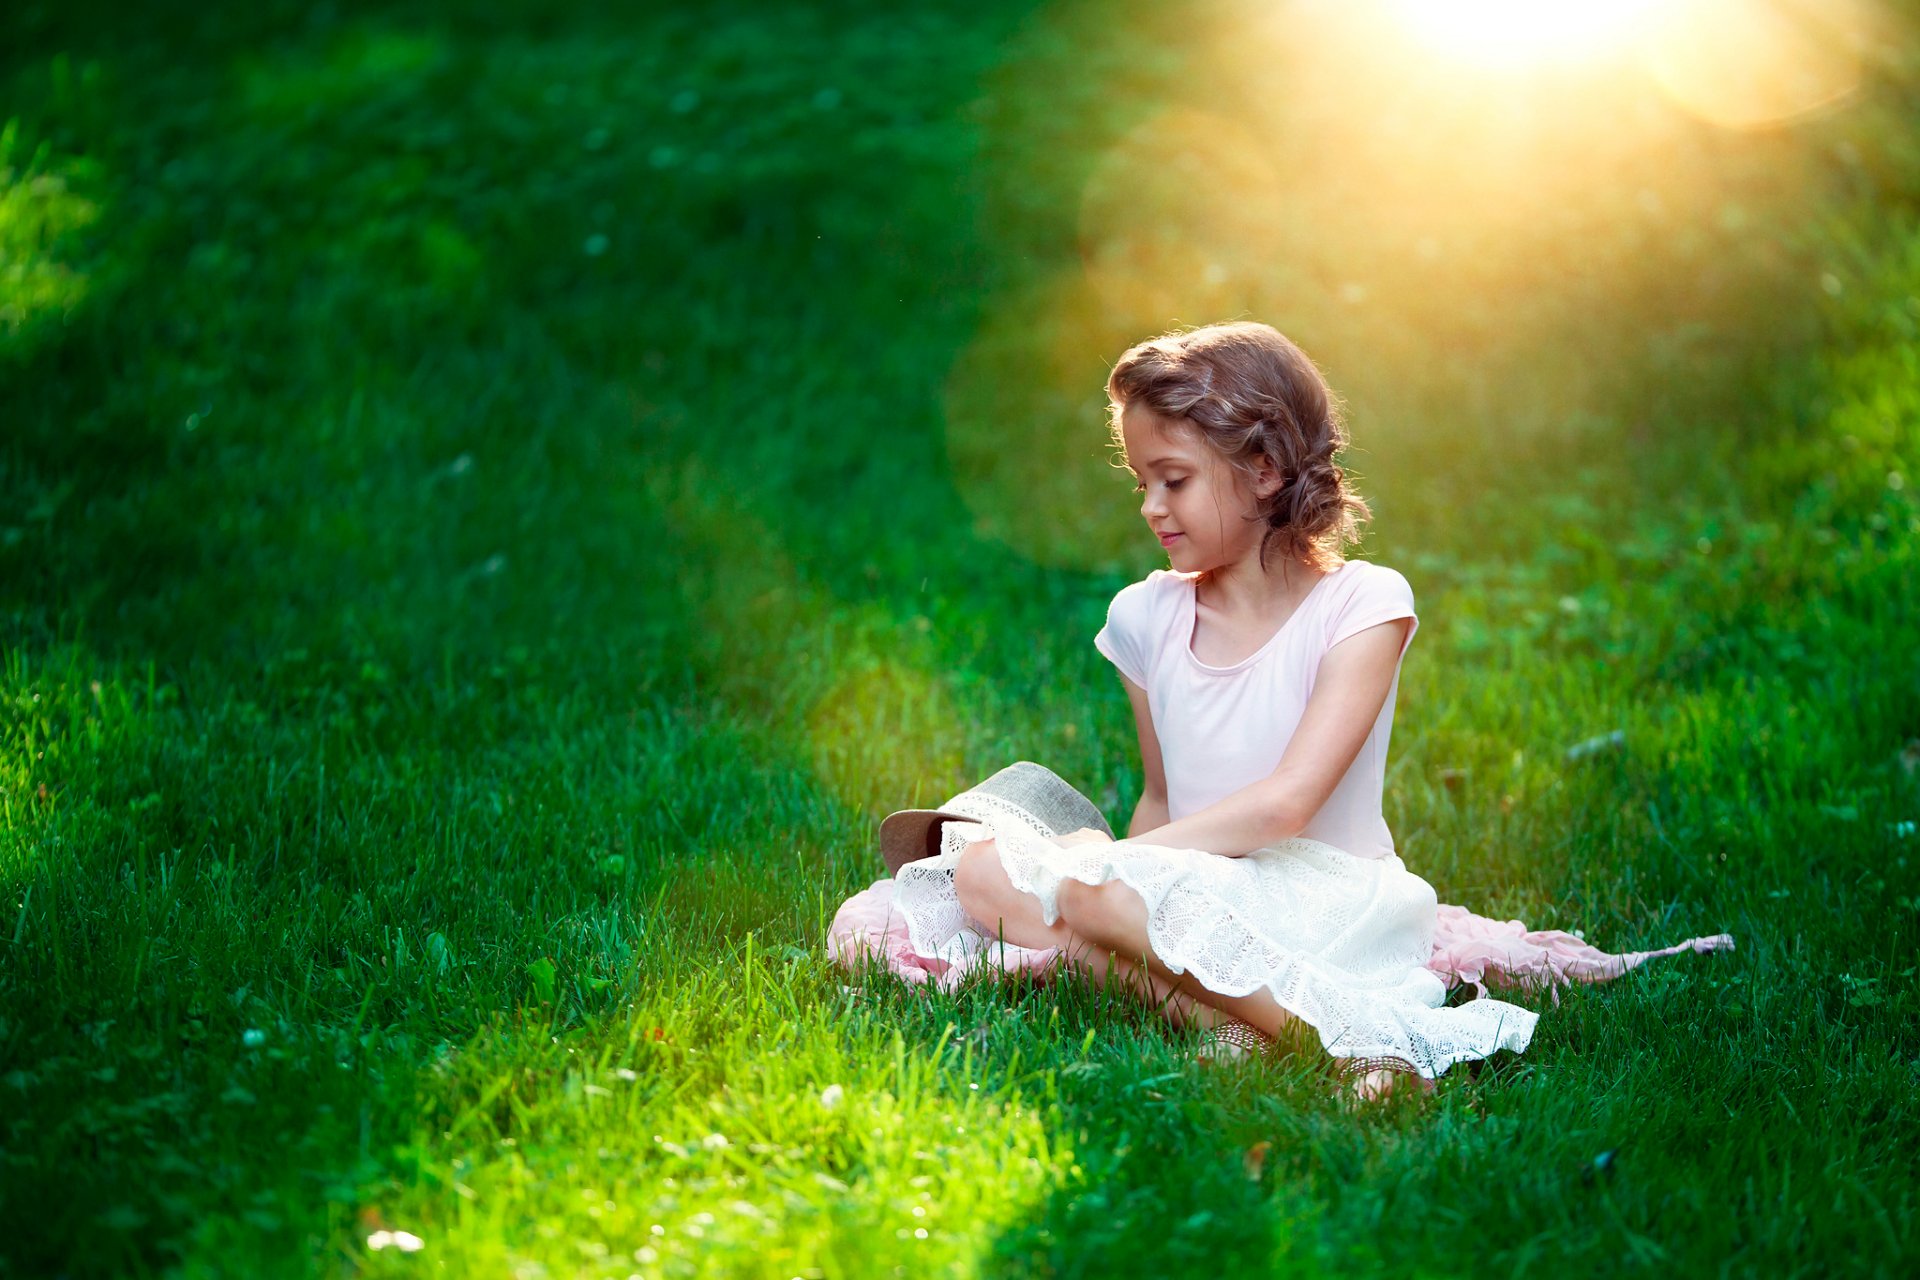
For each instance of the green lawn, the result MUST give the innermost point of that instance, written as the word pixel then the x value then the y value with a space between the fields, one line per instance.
pixel 497 501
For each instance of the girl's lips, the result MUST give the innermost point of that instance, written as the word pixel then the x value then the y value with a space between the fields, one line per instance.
pixel 1168 539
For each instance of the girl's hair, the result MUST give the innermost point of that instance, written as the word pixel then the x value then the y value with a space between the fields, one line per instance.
pixel 1246 390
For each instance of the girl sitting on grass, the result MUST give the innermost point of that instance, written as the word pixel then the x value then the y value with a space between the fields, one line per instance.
pixel 1258 887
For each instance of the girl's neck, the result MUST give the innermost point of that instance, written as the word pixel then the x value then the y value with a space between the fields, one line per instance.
pixel 1243 590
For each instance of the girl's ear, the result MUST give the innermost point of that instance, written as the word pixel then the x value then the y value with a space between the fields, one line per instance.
pixel 1267 479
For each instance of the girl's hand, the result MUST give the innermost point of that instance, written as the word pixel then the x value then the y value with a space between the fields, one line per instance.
pixel 1085 835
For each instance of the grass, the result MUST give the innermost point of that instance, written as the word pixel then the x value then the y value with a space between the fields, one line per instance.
pixel 494 506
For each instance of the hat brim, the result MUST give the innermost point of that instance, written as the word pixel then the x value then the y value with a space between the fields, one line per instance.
pixel 912 834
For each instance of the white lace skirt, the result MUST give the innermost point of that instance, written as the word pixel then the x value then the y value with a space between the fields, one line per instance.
pixel 1341 942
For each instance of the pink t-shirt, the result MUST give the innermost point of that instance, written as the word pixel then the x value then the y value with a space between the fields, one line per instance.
pixel 1224 728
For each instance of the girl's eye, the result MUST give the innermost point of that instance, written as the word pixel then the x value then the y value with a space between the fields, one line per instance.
pixel 1171 484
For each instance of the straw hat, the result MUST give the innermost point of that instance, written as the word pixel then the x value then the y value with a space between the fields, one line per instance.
pixel 1024 792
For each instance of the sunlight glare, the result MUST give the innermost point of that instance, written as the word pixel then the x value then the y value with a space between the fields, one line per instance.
pixel 1513 33
pixel 1747 64
pixel 1178 215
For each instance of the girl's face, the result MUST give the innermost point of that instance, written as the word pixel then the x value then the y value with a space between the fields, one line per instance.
pixel 1195 503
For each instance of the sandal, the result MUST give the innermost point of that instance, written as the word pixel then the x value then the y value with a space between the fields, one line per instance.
pixel 1358 1076
pixel 1232 1040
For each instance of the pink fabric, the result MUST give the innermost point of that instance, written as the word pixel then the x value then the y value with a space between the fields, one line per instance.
pixel 867 924
pixel 1472 948
pixel 1466 948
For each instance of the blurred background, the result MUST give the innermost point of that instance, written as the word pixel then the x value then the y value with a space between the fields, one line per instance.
pixel 713 351
pixel 402 322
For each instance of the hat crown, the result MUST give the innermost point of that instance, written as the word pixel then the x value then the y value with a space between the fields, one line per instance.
pixel 1024 793
pixel 1032 793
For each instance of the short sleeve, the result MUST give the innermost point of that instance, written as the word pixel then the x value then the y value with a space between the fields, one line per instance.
pixel 1126 639
pixel 1378 595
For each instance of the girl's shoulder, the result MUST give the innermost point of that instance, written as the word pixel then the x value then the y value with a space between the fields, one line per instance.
pixel 1140 620
pixel 1370 577
pixel 1147 607
pixel 1364 594
pixel 1158 585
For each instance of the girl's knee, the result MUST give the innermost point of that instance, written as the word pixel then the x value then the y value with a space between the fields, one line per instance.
pixel 981 858
pixel 977 876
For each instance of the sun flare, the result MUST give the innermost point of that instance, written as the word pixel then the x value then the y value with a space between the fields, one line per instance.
pixel 1513 33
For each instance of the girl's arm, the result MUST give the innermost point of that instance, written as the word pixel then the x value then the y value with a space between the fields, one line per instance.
pixel 1151 812
pixel 1349 690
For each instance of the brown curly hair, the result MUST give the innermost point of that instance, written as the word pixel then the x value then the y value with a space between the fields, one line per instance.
pixel 1249 392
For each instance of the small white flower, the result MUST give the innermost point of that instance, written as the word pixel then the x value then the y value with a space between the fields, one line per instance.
pixel 714 1141
pixel 404 1241
pixel 830 1096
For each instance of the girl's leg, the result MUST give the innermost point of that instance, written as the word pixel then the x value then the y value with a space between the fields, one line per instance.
pixel 1100 928
pixel 1177 1006
pixel 1112 917
pixel 989 897
pixel 1259 1009
pixel 985 893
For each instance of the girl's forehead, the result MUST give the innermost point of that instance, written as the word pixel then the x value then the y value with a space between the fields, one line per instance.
pixel 1153 438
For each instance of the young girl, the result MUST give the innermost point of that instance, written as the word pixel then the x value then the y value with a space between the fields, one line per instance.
pixel 1258 882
